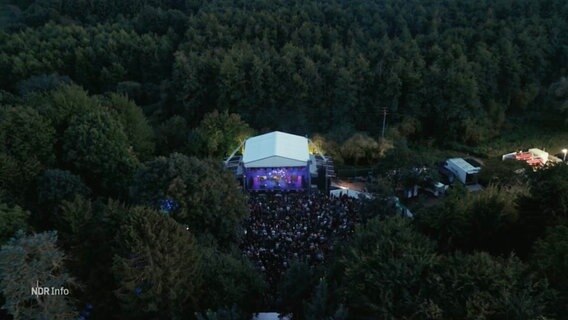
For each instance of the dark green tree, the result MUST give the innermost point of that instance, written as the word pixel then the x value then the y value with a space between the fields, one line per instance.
pixel 481 285
pixel 73 220
pixel 470 222
pixel 173 135
pixel 387 271
pixel 26 135
pixel 492 215
pixel 504 173
pixel 42 84
pixel 220 133
pixel 55 186
pixel 62 104
pixel 321 305
pixel 26 146
pixel 221 314
pixel 157 268
pixel 550 259
pixel 96 146
pixel 296 287
pixel 198 193
pixel 139 133
pixel 89 232
pixel 545 206
pixel 12 219
pixel 229 279
pixel 559 95
pixel 446 222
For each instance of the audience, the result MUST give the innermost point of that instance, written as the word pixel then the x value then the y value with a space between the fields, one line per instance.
pixel 283 228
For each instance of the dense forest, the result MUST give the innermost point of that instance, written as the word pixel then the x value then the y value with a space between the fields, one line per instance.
pixel 115 116
pixel 451 70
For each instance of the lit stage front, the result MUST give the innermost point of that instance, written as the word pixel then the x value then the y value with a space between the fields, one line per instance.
pixel 277 179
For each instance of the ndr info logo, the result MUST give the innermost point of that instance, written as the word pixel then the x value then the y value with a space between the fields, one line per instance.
pixel 49 291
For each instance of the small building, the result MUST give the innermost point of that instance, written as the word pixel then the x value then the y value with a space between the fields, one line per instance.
pixel 467 172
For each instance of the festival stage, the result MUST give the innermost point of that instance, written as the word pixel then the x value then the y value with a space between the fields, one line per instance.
pixel 279 162
pixel 277 179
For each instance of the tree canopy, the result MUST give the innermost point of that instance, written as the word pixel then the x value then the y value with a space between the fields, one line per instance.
pixel 95 145
pixel 27 142
pixel 157 267
pixel 12 219
pixel 304 66
pixel 197 193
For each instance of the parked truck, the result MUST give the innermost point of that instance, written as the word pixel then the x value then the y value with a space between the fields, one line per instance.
pixel 466 172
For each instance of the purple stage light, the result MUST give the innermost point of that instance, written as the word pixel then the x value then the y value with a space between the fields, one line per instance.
pixel 277 179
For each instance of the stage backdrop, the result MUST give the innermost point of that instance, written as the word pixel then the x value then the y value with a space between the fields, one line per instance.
pixel 277 179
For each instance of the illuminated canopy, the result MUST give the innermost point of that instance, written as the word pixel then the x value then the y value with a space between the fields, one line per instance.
pixel 276 149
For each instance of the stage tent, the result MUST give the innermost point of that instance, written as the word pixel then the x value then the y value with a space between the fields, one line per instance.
pixel 276 149
pixel 269 316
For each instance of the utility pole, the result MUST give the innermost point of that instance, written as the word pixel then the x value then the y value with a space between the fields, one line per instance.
pixel 384 122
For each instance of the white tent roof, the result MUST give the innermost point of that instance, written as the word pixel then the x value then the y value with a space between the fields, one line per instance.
pixel 350 193
pixel 269 316
pixel 276 149
pixel 464 165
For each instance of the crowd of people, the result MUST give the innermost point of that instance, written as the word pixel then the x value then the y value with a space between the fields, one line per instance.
pixel 288 227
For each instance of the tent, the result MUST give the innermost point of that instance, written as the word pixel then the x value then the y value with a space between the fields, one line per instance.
pixel 276 149
pixel 269 316
pixel 350 193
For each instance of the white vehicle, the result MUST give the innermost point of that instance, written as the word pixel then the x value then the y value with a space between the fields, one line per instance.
pixel 463 170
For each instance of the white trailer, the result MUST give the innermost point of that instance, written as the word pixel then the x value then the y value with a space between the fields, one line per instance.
pixel 463 170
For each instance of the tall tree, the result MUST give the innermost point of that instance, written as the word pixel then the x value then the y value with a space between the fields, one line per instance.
pixel 229 279
pixel 550 259
pixel 54 187
pixel 321 305
pixel 386 271
pixel 545 206
pixel 360 149
pixel 483 221
pixel 26 146
pixel 296 287
pixel 25 134
pixel 89 232
pixel 480 285
pixel 12 219
pixel 158 267
pixel 559 95
pixel 198 193
pixel 62 104
pixel 220 133
pixel 137 129
pixel 96 146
